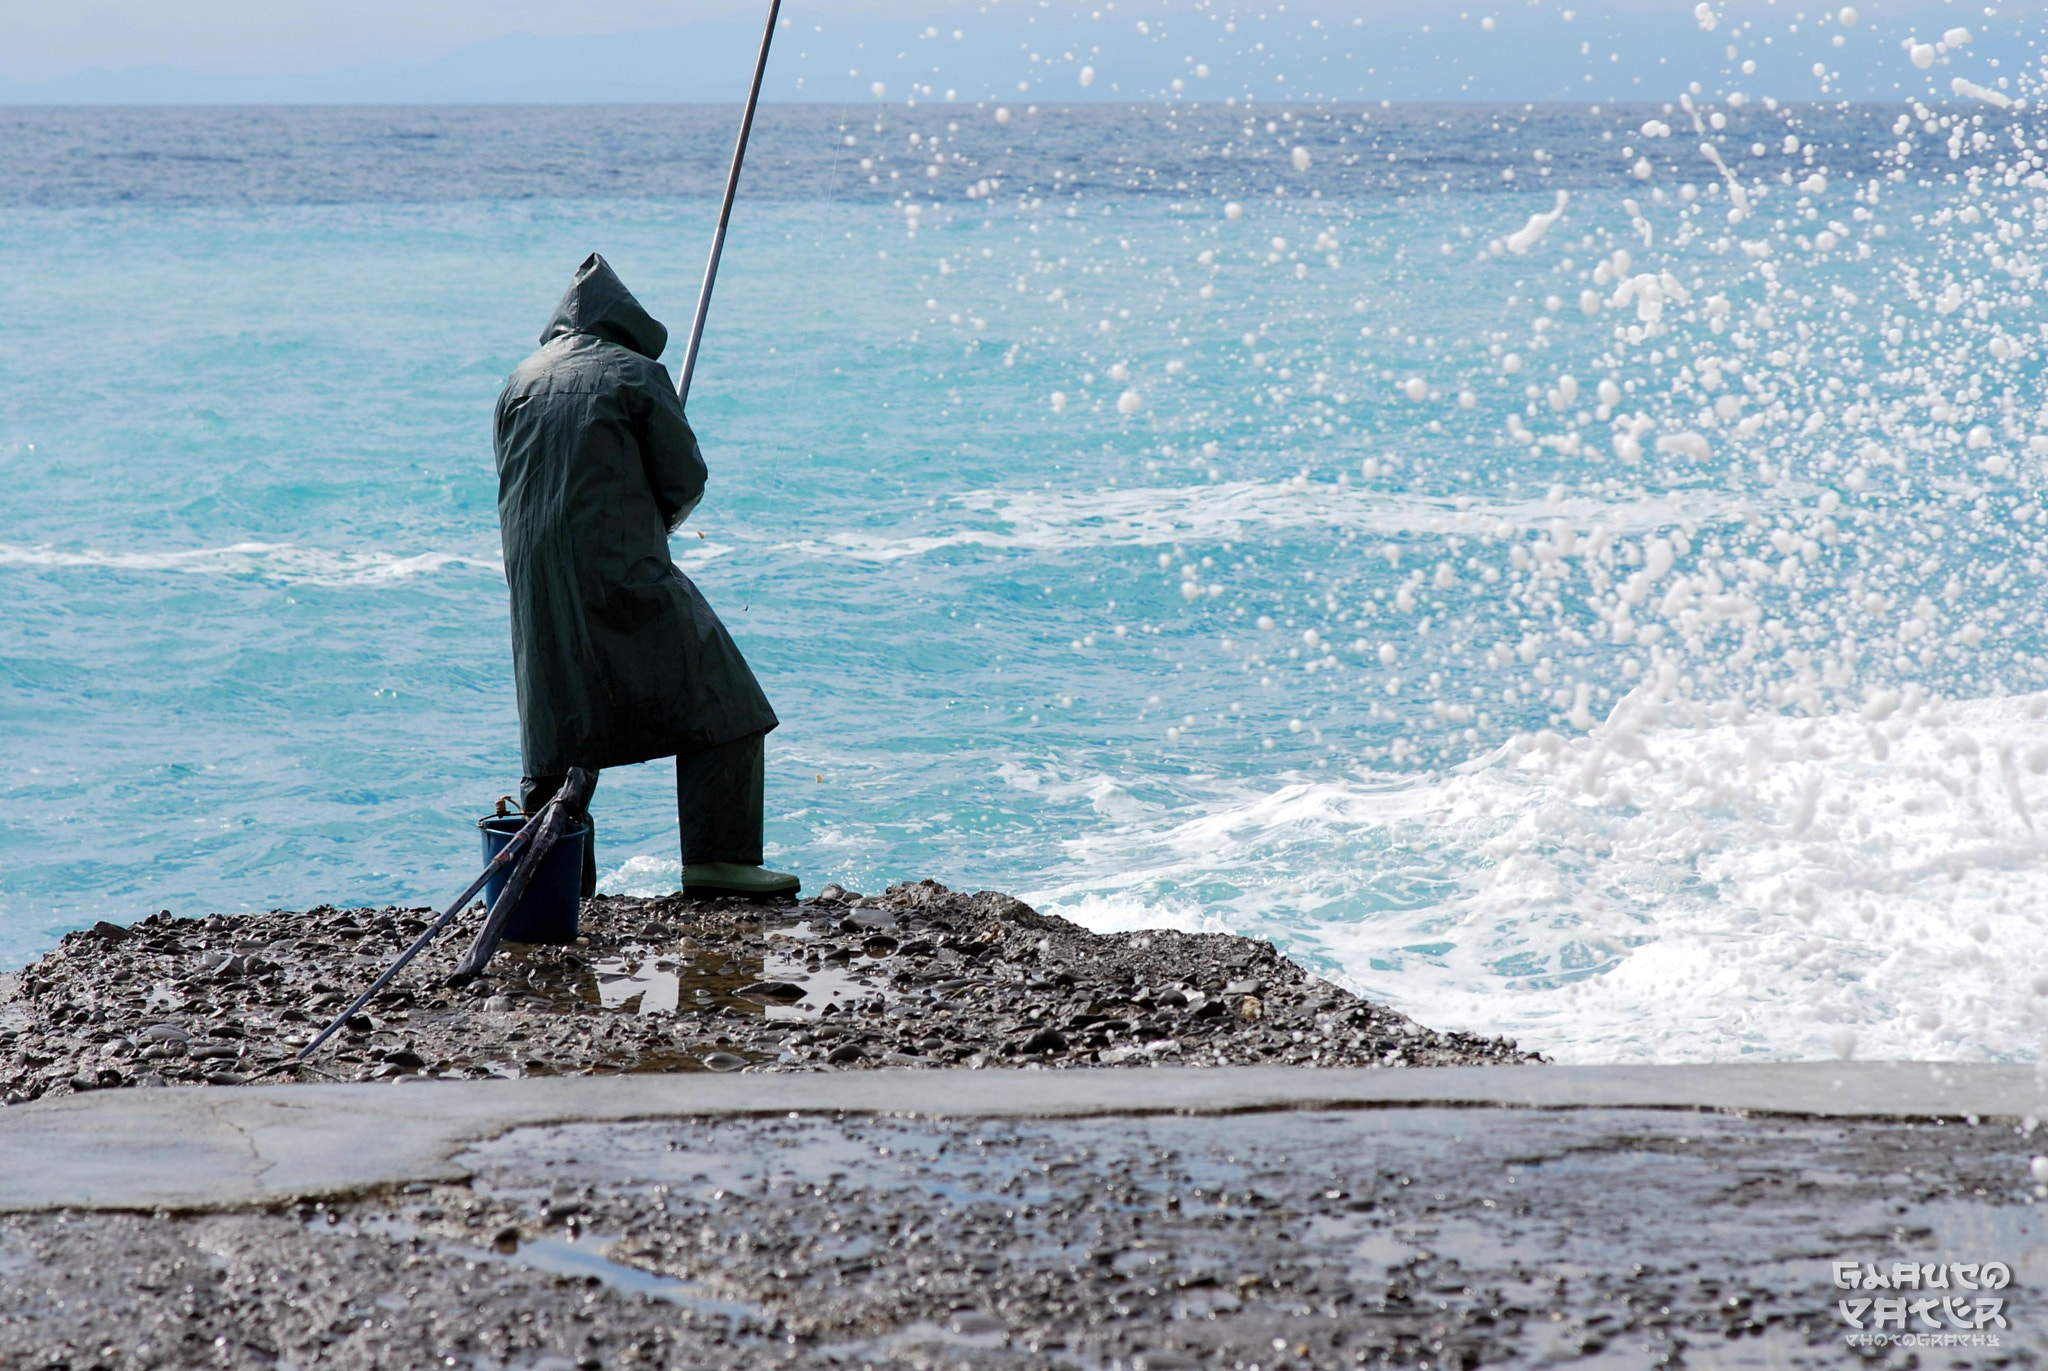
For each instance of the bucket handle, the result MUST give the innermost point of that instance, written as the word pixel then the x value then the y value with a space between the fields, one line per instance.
pixel 507 805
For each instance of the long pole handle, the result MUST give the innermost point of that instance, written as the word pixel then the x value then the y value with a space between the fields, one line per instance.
pixel 506 856
pixel 732 186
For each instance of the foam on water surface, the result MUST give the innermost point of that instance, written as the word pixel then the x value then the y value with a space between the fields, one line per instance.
pixel 282 562
pixel 1678 885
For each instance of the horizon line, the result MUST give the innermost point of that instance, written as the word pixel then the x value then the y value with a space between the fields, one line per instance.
pixel 1226 103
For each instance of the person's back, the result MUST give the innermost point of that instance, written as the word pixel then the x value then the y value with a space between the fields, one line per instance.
pixel 618 657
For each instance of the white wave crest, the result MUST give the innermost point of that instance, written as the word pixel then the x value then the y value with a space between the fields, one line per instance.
pixel 1684 883
pixel 290 563
pixel 267 561
pixel 1042 520
pixel 643 877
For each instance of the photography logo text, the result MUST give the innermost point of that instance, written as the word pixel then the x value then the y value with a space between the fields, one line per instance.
pixel 1913 1304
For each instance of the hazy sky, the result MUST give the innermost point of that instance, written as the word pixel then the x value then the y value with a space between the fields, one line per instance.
pixel 207 50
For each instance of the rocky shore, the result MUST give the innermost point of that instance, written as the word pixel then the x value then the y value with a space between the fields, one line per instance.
pixel 920 976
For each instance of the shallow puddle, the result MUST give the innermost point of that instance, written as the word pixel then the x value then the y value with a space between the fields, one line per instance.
pixel 584 1257
pixel 668 977
pixel 581 1257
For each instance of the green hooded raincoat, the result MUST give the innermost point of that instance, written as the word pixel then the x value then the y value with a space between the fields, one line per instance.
pixel 618 657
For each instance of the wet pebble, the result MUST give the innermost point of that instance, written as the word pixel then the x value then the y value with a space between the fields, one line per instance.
pixel 773 990
pixel 1044 1040
pixel 921 976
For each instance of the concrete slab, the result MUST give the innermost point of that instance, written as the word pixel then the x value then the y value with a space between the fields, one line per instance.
pixel 1602 1238
pixel 239 1147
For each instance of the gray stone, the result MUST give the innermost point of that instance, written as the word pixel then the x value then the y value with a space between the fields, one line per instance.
pixel 784 991
pixel 1044 1040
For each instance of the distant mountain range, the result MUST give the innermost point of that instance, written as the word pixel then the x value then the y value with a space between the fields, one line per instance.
pixel 520 69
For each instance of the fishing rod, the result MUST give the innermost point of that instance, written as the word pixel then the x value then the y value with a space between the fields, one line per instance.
pixel 732 186
pixel 540 832
pixel 526 848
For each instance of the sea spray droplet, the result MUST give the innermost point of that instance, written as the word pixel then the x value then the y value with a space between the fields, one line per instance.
pixel 878 90
pixel 1233 211
pixel 1531 233
pixel 1087 76
pixel 1972 91
pixel 1693 445
pixel 1300 158
pixel 1129 402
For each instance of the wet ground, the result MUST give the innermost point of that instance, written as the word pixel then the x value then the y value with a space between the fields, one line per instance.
pixel 920 976
pixel 1412 1237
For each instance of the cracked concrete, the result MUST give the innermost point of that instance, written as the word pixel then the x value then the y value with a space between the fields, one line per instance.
pixel 254 1147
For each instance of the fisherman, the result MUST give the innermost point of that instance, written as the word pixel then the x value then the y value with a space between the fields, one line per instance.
pixel 617 656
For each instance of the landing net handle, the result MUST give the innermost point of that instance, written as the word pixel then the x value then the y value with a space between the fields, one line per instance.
pixel 732 186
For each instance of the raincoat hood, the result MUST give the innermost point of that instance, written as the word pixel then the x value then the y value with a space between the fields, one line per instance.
pixel 598 303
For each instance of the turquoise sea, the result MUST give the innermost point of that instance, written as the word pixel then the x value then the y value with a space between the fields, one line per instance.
pixel 1531 570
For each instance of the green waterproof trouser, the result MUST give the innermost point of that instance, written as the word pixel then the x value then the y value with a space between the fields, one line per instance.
pixel 718 805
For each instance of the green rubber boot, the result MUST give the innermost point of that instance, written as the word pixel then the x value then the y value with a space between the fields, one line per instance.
pixel 734 878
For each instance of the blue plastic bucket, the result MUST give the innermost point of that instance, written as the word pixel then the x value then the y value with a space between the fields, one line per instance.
pixel 547 912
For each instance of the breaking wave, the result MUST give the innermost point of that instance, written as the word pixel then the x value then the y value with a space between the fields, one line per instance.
pixel 1686 882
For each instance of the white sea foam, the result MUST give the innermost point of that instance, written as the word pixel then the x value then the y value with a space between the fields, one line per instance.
pixel 289 563
pixel 643 876
pixel 1110 914
pixel 1683 883
pixel 1045 520
pixel 268 561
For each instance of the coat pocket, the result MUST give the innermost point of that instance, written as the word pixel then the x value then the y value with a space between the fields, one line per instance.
pixel 647 594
